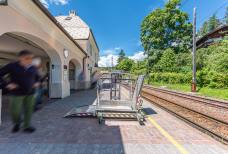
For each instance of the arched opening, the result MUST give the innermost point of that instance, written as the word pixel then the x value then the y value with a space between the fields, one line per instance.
pixel 74 74
pixel 13 42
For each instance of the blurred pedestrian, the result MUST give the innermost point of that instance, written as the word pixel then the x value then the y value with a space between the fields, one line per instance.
pixel 23 79
pixel 39 93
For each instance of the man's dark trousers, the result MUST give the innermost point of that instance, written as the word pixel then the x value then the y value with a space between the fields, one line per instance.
pixel 22 103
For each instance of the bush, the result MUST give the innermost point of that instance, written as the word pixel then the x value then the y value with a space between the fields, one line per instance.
pixel 167 63
pixel 125 64
pixel 214 57
pixel 184 62
pixel 204 79
pixel 139 67
pixel 218 62
pixel 218 80
pixel 171 78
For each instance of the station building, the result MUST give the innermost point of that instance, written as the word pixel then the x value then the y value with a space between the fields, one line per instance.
pixel 83 35
pixel 65 44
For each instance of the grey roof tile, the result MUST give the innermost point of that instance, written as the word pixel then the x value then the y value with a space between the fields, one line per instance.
pixel 75 26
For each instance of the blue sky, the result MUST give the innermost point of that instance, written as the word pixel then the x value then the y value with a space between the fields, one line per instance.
pixel 116 23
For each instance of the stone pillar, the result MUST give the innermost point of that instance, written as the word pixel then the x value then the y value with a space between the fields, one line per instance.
pixel 59 84
pixel 87 74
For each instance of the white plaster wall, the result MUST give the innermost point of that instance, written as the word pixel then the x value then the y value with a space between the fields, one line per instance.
pixel 91 60
pixel 24 18
pixel 83 44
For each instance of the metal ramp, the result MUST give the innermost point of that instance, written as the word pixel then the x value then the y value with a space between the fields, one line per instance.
pixel 82 111
pixel 119 115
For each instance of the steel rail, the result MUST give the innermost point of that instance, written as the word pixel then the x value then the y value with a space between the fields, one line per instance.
pixel 223 139
pixel 194 115
pixel 208 101
pixel 215 119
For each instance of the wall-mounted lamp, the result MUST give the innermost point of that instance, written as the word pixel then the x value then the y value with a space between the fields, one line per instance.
pixel 65 53
pixel 3 2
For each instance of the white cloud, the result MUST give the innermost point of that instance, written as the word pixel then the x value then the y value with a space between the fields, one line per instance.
pixel 138 56
pixel 117 48
pixel 106 61
pixel 45 3
pixel 112 51
pixel 56 2
pixel 109 51
pixel 59 2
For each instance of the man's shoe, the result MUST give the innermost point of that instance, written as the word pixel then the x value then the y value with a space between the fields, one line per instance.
pixel 29 130
pixel 16 128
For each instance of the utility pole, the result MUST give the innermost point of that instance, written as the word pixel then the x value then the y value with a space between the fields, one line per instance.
pixel 194 52
pixel 148 67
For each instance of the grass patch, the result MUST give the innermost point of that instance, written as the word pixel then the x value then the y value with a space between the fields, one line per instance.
pixel 214 93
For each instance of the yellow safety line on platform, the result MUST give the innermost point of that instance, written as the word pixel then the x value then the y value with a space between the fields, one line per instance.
pixel 169 137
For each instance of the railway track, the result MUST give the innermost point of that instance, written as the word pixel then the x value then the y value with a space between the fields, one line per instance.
pixel 208 120
pixel 205 100
pixel 214 110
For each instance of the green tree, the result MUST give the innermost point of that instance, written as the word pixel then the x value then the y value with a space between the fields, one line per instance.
pixel 204 29
pixel 184 62
pixel 125 65
pixel 213 58
pixel 167 63
pixel 121 56
pixel 166 28
pixel 226 16
pixel 218 59
pixel 139 67
pixel 201 58
pixel 220 62
pixel 213 23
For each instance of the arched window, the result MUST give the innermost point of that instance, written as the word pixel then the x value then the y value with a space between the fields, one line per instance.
pixel 71 71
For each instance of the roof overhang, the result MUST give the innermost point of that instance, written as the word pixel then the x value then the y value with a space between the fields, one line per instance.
pixel 94 40
pixel 219 32
pixel 91 34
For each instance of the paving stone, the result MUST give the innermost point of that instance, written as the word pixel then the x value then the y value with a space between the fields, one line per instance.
pixel 59 135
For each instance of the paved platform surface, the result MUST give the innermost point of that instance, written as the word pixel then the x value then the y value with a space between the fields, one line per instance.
pixel 161 134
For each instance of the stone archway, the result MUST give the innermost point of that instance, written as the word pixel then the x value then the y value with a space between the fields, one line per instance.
pixel 74 74
pixel 25 20
pixel 13 42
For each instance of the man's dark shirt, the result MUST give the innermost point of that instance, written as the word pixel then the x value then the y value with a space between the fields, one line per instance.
pixel 24 78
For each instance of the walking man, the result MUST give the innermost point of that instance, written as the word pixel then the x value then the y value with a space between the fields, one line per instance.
pixel 23 79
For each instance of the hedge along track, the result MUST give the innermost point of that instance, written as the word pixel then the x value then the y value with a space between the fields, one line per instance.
pixel 213 127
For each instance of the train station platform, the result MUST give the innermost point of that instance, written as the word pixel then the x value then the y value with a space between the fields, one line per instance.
pixel 162 133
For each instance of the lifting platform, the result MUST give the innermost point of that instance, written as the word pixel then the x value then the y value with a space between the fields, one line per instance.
pixel 115 99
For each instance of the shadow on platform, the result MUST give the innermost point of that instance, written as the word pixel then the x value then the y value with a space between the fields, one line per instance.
pixel 56 134
pixel 149 111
